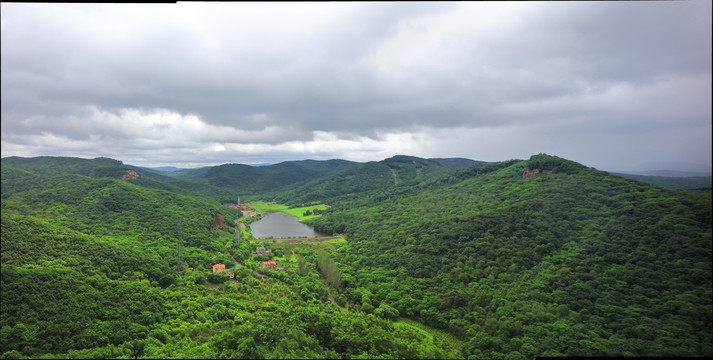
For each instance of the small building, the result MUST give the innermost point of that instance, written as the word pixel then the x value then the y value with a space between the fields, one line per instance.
pixel 242 225
pixel 328 206
pixel 269 265
pixel 218 268
pixel 261 250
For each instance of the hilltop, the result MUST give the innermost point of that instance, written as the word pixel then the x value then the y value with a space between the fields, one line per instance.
pixel 396 171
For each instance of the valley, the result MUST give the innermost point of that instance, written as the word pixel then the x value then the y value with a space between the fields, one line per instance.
pixel 408 258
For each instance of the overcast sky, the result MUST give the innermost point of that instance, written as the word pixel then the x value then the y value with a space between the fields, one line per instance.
pixel 613 85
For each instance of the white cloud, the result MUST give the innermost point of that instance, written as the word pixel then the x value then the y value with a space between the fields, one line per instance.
pixel 235 81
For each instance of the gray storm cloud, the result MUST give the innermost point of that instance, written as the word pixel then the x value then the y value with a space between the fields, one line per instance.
pixel 231 82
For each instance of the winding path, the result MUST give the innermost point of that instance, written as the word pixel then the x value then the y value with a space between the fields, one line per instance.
pixel 331 298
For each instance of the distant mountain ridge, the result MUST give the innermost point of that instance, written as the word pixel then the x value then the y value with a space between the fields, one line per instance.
pixel 665 173
pixel 672 182
pixel 171 168
pixel 290 181
pixel 398 170
pixel 298 181
pixel 456 163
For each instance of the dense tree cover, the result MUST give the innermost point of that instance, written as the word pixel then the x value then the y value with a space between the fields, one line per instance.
pixel 28 240
pixel 246 181
pixel 52 310
pixel 110 207
pixel 315 331
pixel 109 168
pixel 579 262
pixel 398 170
pixel 88 271
pixel 328 268
pixel 51 165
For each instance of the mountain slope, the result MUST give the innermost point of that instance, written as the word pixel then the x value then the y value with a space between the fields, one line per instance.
pixel 516 259
pixel 89 271
pixel 51 165
pixel 109 168
pixel 245 180
pixel 456 163
pixel 291 181
pixel 399 170
pixel 578 262
pixel 110 207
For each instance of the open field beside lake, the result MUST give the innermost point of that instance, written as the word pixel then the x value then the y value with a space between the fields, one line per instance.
pixel 262 206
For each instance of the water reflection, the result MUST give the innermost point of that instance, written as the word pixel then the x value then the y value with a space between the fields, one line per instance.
pixel 281 225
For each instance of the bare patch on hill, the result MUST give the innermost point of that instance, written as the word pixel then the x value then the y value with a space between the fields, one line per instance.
pixel 527 174
pixel 218 222
pixel 130 174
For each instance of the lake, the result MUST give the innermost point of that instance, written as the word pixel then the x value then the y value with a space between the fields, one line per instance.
pixel 281 225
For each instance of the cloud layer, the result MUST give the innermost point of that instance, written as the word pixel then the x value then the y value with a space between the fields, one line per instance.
pixel 612 85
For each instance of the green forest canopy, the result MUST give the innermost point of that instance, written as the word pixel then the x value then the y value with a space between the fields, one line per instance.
pixel 576 263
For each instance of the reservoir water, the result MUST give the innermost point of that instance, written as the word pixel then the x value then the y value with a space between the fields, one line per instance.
pixel 281 225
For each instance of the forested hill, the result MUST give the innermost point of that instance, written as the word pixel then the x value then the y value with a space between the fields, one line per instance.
pixel 292 182
pixel 55 165
pixel 115 169
pixel 114 208
pixel 262 179
pixel 300 182
pixel 396 171
pixel 510 260
pixel 521 263
pixel 89 270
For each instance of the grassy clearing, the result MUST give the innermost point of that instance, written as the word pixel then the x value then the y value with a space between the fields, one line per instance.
pixel 449 338
pixel 426 334
pixel 396 176
pixel 262 206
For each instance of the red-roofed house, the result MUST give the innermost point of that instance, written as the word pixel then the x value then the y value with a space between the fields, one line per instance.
pixel 242 225
pixel 328 206
pixel 218 268
pixel 269 265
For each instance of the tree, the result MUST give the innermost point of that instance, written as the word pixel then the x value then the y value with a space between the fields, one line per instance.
pixel 328 268
pixel 218 278
pixel 166 281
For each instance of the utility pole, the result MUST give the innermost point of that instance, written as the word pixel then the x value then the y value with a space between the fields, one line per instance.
pixel 179 266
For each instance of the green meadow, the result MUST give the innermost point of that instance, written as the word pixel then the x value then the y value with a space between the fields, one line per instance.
pixel 262 206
